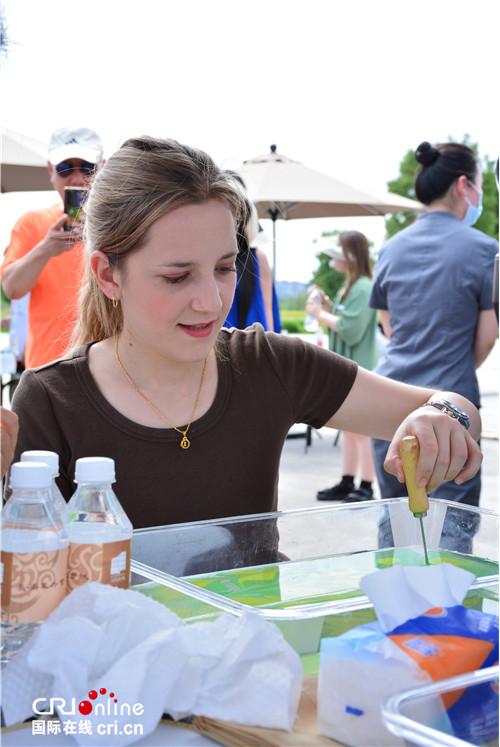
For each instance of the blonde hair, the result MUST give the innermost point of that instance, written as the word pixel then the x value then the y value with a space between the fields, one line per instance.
pixel 144 180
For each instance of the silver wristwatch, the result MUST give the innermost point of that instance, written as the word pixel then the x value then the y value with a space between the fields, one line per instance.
pixel 452 410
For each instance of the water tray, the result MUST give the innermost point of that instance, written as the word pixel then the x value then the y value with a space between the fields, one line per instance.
pixel 301 569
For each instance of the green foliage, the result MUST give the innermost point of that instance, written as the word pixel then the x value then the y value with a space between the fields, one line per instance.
pixel 4 309
pixel 404 185
pixel 290 303
pixel 292 327
pixel 325 276
pixel 488 222
pixel 293 319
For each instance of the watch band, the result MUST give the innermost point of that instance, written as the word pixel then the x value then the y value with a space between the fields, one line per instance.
pixel 452 410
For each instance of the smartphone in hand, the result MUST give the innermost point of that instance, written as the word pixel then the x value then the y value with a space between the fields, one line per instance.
pixel 74 199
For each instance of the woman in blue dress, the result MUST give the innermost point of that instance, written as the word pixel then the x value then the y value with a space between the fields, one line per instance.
pixel 255 299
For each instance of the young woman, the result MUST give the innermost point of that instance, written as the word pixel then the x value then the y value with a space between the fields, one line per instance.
pixel 433 285
pixel 195 416
pixel 352 328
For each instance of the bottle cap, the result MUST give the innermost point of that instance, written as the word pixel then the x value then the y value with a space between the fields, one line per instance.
pixel 95 469
pixel 31 475
pixel 48 457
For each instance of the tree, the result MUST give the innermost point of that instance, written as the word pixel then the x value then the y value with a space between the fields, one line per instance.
pixel 403 185
pixel 488 222
pixel 325 276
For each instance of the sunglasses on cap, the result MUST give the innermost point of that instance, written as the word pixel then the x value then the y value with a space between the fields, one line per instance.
pixel 85 168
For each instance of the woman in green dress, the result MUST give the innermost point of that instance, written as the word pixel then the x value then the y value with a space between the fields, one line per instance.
pixel 352 329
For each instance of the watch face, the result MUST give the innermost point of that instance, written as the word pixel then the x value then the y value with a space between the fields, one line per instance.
pixel 457 410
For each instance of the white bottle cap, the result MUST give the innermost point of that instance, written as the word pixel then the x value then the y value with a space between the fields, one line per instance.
pixel 48 457
pixel 30 475
pixel 95 469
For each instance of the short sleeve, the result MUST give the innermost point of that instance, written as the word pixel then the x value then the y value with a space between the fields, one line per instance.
pixel 316 380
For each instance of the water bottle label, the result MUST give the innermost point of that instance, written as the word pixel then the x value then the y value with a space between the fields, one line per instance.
pixel 33 584
pixel 107 563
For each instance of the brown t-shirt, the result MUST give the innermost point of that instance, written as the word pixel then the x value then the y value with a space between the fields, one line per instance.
pixel 267 382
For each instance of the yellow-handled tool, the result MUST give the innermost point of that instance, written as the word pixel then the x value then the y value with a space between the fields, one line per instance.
pixel 417 496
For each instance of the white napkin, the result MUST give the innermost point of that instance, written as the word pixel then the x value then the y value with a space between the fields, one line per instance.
pixel 129 659
pixel 401 593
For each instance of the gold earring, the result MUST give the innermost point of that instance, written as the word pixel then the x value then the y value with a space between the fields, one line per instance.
pixel 115 303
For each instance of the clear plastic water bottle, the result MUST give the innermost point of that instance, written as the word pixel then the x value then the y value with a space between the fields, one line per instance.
pixel 34 555
pixel 99 531
pixel 311 324
pixel 52 459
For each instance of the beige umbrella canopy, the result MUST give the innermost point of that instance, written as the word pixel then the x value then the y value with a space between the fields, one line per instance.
pixel 283 188
pixel 23 163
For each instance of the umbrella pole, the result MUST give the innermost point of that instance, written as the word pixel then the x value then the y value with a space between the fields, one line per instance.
pixel 273 213
pixel 274 248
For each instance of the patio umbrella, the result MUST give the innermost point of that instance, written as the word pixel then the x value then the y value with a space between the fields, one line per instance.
pixel 23 163
pixel 283 188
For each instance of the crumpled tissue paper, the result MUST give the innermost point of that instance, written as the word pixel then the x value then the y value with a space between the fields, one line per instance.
pixel 115 660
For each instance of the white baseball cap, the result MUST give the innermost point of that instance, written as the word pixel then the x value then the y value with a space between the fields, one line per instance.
pixel 75 142
pixel 335 252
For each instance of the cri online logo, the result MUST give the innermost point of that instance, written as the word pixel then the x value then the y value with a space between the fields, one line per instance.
pixel 106 706
pixel 85 706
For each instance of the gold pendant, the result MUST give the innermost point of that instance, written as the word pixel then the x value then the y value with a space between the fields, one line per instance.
pixel 185 443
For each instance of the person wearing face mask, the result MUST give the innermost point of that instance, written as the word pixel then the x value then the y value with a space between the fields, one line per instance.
pixel 46 260
pixel 433 289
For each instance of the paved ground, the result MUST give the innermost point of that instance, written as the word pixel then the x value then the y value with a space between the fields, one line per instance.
pixel 303 473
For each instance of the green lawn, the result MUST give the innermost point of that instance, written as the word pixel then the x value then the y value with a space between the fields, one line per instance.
pixel 293 321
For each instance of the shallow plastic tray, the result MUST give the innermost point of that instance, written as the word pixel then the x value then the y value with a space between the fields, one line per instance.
pixel 304 566
pixel 398 711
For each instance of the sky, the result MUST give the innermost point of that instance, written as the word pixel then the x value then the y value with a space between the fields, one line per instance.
pixel 347 88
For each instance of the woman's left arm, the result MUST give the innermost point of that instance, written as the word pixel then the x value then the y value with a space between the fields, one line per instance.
pixel 382 408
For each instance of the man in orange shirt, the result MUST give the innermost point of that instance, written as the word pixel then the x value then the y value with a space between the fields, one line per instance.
pixel 44 259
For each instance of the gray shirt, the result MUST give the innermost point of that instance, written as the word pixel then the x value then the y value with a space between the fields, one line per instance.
pixel 434 278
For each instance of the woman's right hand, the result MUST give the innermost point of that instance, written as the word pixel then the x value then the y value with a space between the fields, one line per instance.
pixel 326 302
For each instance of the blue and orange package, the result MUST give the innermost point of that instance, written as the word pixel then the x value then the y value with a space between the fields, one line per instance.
pixel 445 642
pixel 367 664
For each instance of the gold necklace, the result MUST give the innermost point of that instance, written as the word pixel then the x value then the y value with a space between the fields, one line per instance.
pixel 185 442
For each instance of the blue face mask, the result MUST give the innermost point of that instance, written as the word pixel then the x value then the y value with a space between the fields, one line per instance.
pixel 473 213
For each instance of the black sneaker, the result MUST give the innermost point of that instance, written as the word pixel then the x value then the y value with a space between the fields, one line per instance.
pixel 339 492
pixel 359 494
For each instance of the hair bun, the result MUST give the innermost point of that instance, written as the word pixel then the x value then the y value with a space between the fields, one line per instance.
pixel 426 153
